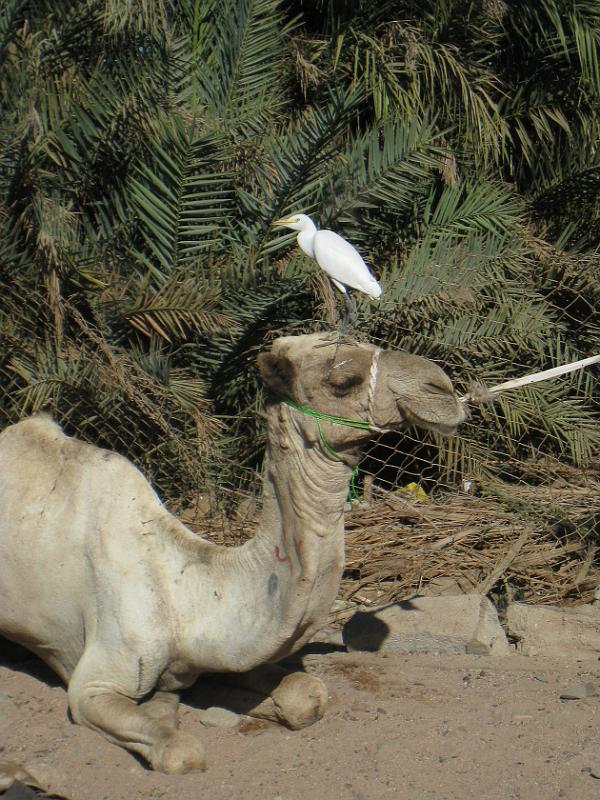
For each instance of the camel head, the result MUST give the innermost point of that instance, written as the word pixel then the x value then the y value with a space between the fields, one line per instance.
pixel 390 390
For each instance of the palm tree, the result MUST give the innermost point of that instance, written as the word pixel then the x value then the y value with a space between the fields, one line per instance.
pixel 147 147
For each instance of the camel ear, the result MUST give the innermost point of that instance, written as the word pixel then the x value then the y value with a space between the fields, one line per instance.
pixel 277 372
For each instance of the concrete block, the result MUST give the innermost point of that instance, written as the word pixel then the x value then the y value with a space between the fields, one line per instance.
pixel 453 624
pixel 554 630
pixel 215 717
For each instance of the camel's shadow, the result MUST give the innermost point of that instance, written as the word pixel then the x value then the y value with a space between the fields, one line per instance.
pixel 222 689
pixel 15 657
pixel 209 690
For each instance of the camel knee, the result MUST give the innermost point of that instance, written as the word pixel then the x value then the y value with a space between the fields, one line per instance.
pixel 300 700
pixel 148 728
pixel 149 732
pixel 83 706
pixel 162 707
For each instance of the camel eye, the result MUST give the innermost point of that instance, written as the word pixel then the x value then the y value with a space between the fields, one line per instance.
pixel 343 382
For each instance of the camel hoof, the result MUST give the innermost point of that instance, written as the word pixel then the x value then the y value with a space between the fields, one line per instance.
pixel 177 754
pixel 300 700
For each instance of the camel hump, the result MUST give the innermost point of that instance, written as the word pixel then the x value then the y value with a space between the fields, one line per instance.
pixel 38 428
pixel 39 444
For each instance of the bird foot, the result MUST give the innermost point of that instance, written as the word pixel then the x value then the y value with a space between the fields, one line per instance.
pixel 338 340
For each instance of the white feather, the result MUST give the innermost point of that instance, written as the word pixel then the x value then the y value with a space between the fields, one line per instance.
pixel 336 256
pixel 343 263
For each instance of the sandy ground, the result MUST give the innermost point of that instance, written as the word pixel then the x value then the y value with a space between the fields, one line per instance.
pixel 423 727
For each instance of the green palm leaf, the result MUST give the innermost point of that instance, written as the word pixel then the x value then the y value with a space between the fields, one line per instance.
pixel 179 307
pixel 180 199
pixel 243 46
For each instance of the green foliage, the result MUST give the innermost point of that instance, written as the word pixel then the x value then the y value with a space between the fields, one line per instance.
pixel 146 148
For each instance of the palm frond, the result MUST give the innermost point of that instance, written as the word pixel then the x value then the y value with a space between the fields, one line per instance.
pixel 473 206
pixel 145 149
pixel 11 14
pixel 574 201
pixel 243 46
pixel 386 168
pixel 43 375
pixel 179 307
pixel 146 16
pixel 180 199
pixel 290 174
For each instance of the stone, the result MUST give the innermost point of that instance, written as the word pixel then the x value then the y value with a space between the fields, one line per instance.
pixel 579 691
pixel 449 624
pixel 477 648
pixel 555 630
pixel 521 719
pixel 444 585
pixel 447 585
pixel 215 717
pixel 13 774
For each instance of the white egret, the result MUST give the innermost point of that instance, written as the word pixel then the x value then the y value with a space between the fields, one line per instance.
pixel 342 262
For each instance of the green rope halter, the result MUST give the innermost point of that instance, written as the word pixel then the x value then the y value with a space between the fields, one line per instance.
pixel 348 423
pixel 361 424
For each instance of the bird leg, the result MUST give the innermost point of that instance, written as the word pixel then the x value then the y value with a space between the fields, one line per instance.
pixel 346 320
pixel 348 316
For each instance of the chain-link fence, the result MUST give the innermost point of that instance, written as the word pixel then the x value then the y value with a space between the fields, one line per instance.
pixel 99 392
pixel 509 506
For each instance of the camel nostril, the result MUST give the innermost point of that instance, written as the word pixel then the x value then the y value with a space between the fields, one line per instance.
pixel 438 388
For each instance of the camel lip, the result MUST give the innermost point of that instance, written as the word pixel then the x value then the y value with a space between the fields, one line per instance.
pixel 436 427
pixel 411 418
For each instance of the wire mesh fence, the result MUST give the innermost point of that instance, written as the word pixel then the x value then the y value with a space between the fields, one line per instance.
pixel 98 392
pixel 509 506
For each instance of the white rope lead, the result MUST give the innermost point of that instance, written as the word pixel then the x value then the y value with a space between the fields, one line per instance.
pixel 482 393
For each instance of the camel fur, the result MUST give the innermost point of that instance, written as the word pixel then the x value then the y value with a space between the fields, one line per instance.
pixel 129 607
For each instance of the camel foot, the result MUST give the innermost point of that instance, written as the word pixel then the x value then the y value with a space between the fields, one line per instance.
pixel 177 754
pixel 293 699
pixel 300 700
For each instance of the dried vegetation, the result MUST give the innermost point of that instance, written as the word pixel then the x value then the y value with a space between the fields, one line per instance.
pixel 532 542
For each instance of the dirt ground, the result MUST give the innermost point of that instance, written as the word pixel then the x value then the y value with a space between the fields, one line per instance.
pixel 423 727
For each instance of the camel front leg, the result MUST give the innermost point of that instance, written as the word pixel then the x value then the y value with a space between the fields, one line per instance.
pixel 294 699
pixel 148 728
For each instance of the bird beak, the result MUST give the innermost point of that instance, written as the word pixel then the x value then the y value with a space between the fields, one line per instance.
pixel 280 223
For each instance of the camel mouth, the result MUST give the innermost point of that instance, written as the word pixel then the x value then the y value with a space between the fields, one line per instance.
pixel 411 418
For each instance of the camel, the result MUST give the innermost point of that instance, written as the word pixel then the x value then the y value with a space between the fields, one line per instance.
pixel 129 607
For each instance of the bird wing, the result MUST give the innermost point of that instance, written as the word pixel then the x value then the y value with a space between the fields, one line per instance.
pixel 343 263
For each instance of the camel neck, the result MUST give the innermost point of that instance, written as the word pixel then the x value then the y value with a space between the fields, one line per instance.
pixel 300 539
pixel 271 594
pixel 305 483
